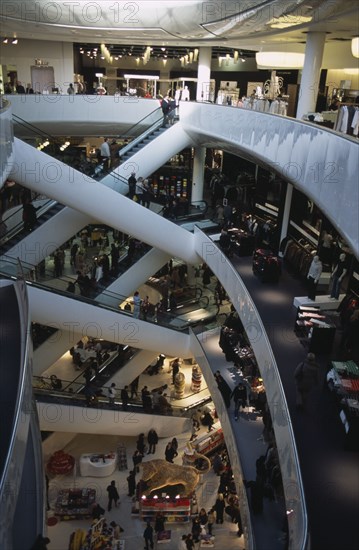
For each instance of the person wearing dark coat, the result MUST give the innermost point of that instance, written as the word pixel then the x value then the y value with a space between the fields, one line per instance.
pixel 131 482
pixel 306 377
pixel 152 440
pixel 148 536
pixel 140 444
pixel 219 508
pixel 223 388
pixel 239 395
pixel 137 459
pixel 170 452
pixel 124 398
pixel 159 522
pixel 196 529
pixel 112 495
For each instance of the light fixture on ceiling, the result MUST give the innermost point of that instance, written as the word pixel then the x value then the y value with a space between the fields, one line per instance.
pixel 279 60
pixel 5 40
pixel 14 41
pixel 355 46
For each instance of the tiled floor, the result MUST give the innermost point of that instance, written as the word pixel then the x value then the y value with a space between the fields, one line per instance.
pixel 225 534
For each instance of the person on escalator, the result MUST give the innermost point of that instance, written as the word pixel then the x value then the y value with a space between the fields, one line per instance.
pixel 29 216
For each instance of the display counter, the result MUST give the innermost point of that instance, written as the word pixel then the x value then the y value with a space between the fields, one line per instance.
pixel 98 464
pixel 75 504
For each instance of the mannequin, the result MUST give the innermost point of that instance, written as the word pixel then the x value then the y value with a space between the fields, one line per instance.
pixel 315 271
pixel 185 94
pixel 337 276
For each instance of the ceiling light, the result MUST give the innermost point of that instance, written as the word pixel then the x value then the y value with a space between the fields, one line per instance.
pixel 5 41
pixel 279 60
pixel 355 47
pixel 14 41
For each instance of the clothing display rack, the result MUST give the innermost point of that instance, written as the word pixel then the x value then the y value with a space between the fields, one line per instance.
pixel 316 327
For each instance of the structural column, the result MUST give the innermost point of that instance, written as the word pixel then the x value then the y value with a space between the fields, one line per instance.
pixel 286 213
pixel 311 73
pixel 198 174
pixel 308 93
pixel 204 74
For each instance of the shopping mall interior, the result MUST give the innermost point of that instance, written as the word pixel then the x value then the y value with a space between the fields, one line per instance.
pixel 179 254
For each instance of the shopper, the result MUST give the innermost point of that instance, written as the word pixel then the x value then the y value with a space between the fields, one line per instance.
pixel 152 440
pixel 170 452
pixel 219 508
pixel 175 369
pixel 306 377
pixel 148 536
pixel 137 459
pixel 112 495
pixel 239 395
pixel 140 444
pixel 111 394
pixel 124 398
pixel 131 482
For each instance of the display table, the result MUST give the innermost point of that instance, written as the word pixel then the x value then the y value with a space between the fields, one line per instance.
pixel 211 442
pixel 174 510
pixel 98 464
pixel 75 504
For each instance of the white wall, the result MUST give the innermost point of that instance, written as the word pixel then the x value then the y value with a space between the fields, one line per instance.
pixel 70 419
pixel 22 56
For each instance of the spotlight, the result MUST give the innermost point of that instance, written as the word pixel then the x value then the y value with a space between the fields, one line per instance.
pixel 5 41
pixel 14 41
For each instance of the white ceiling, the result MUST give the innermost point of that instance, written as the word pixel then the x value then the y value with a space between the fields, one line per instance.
pixel 240 24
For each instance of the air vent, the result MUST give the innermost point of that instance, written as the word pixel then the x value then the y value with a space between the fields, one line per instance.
pixel 340 39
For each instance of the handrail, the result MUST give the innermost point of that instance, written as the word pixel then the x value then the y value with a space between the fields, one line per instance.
pixel 140 138
pixel 129 131
pixel 162 318
pixel 252 322
pixel 19 226
pixel 78 399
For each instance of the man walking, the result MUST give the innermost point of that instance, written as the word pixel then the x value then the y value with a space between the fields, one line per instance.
pixel 148 536
pixel 239 395
pixel 124 398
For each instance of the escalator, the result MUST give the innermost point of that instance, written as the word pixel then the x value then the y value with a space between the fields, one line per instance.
pixel 68 221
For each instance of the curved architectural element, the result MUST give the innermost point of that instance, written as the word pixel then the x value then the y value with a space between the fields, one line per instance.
pixel 19 454
pixel 65 314
pixel 323 164
pixel 240 298
pixel 73 419
pixel 6 140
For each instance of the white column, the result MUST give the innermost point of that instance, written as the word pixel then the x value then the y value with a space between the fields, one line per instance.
pixel 204 74
pixel 286 212
pixel 198 174
pixel 311 73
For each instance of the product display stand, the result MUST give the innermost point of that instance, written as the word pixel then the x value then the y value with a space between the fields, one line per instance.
pixel 180 383
pixel 122 457
pixel 196 379
pixel 75 504
pixel 175 510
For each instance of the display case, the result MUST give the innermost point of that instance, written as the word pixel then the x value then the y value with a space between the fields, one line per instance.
pixel 210 443
pixel 75 504
pixel 174 510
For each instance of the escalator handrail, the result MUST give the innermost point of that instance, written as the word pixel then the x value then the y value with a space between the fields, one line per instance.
pixel 165 315
pixel 142 136
pixel 129 132
pixel 43 209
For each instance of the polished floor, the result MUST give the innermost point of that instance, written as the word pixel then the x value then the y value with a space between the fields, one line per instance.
pixel 330 472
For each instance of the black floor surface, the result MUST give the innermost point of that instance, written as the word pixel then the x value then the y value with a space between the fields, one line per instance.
pixel 330 472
